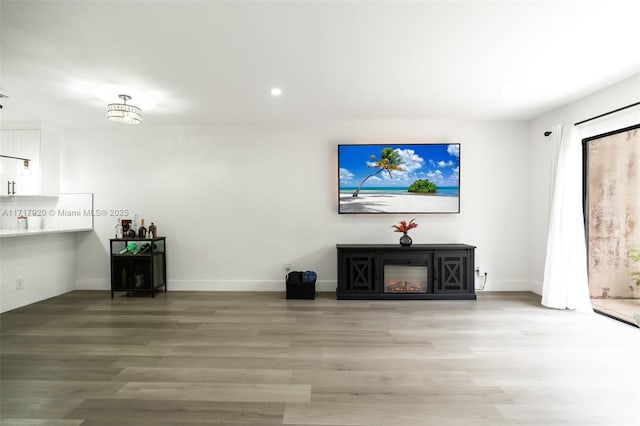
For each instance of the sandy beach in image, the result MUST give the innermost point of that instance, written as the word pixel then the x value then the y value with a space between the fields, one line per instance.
pixel 397 203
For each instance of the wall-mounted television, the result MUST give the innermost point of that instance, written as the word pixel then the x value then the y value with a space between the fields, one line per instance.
pixel 399 178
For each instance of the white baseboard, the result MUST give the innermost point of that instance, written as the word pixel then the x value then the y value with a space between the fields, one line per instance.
pixel 536 287
pixel 503 285
pixel 278 285
pixel 241 285
pixel 212 285
pixel 93 284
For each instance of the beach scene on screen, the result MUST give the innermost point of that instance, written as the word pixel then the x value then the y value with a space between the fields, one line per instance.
pixel 399 178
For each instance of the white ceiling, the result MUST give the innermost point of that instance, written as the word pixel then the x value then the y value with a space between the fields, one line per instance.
pixel 194 62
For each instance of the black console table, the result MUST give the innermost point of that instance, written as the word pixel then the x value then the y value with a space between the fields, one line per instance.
pixel 421 271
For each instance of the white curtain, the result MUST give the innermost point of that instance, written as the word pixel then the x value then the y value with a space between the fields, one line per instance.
pixel 565 284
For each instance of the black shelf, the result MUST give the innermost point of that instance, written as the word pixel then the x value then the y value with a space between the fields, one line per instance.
pixel 138 273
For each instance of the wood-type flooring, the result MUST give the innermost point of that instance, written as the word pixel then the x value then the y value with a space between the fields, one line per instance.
pixel 207 358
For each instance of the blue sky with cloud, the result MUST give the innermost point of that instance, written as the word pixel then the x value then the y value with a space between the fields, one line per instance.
pixel 440 163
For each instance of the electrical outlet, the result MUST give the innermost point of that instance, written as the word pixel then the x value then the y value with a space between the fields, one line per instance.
pixel 477 270
pixel 287 267
pixel 19 284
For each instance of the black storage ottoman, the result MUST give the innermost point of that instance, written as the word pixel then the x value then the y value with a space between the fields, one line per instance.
pixel 299 289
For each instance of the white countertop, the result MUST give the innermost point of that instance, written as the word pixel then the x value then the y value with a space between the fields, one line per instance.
pixel 5 233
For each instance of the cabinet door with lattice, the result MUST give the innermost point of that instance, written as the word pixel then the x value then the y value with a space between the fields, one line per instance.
pixel 452 272
pixel 358 270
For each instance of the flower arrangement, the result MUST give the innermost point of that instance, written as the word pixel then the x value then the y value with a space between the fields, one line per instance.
pixel 404 227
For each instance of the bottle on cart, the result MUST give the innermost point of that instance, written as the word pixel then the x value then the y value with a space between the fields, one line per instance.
pixel 142 231
pixel 153 230
pixel 134 225
pixel 119 229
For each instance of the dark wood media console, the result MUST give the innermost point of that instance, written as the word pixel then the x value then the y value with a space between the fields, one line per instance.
pixel 421 271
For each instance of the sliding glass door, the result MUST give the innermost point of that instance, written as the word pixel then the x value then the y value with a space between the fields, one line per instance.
pixel 612 212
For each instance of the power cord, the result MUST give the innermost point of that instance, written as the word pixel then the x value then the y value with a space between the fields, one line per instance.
pixel 484 282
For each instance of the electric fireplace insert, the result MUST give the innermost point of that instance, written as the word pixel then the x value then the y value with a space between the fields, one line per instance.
pixel 406 278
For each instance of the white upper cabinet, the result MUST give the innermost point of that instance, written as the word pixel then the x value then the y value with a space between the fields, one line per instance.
pixel 50 163
pixel 42 149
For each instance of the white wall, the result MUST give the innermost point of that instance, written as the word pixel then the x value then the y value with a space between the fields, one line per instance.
pixel 621 94
pixel 238 202
pixel 46 264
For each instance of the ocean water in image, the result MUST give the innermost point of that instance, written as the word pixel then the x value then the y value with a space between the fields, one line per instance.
pixel 444 191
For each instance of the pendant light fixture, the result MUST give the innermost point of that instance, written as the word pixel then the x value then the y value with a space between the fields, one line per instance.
pixel 124 113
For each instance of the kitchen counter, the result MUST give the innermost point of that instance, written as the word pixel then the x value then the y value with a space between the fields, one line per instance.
pixel 6 233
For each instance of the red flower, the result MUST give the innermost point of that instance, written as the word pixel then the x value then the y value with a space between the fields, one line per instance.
pixel 403 226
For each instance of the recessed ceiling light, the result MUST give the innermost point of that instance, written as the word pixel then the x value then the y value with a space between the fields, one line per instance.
pixel 276 91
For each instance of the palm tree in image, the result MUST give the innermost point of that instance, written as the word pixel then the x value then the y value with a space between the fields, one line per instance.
pixel 389 161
